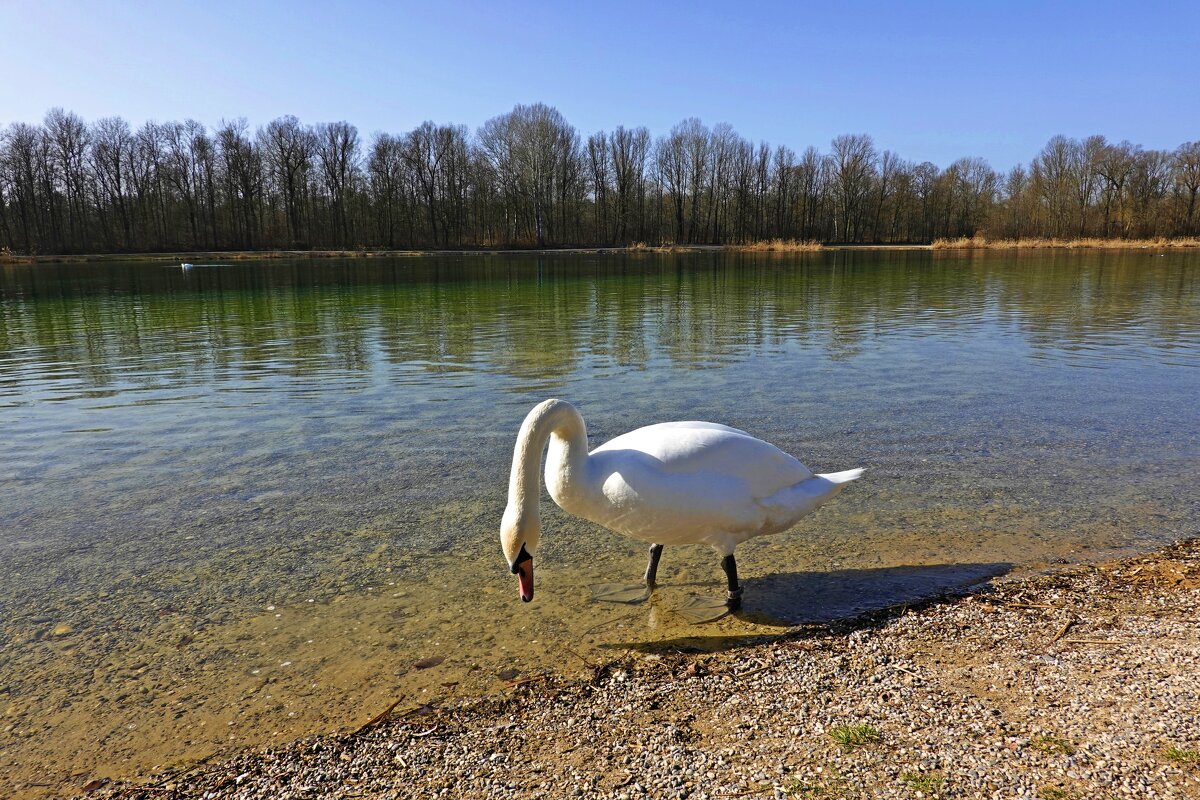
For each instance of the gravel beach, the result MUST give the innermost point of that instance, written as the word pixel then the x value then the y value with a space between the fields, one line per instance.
pixel 1082 683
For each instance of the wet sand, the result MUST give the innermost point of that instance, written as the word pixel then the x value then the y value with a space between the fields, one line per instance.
pixel 1077 683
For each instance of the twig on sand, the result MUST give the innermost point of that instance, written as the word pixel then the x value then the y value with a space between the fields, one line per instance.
pixel 522 681
pixel 378 718
pixel 586 663
pixel 750 672
pixel 628 780
pixel 132 790
pixel 759 790
pixel 1066 627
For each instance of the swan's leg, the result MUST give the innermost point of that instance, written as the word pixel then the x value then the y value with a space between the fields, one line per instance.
pixel 616 593
pixel 734 599
pixel 652 566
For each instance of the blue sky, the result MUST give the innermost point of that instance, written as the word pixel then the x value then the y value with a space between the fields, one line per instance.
pixel 932 81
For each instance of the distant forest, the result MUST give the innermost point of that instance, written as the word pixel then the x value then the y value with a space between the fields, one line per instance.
pixel 528 178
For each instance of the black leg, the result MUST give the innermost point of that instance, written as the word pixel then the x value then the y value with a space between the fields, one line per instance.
pixel 652 566
pixel 734 598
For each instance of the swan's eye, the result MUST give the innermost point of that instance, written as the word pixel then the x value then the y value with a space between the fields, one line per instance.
pixel 522 557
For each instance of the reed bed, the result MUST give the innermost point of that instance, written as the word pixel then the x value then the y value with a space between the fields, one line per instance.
pixel 642 247
pixel 777 246
pixel 978 242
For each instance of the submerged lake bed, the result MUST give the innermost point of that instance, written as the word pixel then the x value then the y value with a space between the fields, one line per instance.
pixel 251 501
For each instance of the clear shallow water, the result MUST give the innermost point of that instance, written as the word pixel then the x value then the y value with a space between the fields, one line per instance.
pixel 180 451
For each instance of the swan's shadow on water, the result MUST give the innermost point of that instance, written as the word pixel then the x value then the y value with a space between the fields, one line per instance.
pixel 852 598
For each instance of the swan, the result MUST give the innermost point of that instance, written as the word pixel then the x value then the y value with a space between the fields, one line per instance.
pixel 670 483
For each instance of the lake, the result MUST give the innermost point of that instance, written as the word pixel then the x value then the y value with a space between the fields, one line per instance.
pixel 250 501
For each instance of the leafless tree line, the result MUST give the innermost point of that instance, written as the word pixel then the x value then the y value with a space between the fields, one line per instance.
pixel 527 178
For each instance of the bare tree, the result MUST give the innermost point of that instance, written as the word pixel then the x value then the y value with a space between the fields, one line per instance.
pixel 854 166
pixel 112 152
pixel 241 166
pixel 337 152
pixel 599 172
pixel 629 150
pixel 1052 175
pixel 69 135
pixel 288 149
pixel 536 154
pixel 884 187
pixel 1114 166
pixel 1187 181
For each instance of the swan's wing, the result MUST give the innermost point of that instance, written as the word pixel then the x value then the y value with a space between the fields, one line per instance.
pixel 716 452
pixel 643 501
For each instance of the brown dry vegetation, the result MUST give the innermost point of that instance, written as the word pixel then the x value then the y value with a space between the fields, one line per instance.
pixel 642 247
pixel 777 246
pixel 979 242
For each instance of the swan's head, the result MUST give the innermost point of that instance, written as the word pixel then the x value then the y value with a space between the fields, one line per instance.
pixel 519 539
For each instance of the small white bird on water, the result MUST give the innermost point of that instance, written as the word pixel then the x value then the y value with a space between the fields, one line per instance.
pixel 671 483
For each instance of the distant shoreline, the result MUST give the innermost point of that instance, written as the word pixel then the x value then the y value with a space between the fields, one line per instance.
pixel 976 243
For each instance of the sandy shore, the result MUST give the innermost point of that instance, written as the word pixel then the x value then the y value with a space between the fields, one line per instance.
pixel 1083 683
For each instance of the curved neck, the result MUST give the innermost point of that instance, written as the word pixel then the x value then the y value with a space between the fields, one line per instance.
pixel 555 418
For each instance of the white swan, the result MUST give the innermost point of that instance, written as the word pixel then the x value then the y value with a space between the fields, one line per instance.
pixel 671 483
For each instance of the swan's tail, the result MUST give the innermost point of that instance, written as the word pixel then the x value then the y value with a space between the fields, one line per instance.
pixel 842 477
pixel 788 505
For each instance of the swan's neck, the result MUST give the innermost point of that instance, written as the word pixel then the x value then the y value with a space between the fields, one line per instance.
pixel 556 422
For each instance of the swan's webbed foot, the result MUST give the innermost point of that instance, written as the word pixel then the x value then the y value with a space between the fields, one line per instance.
pixel 733 599
pixel 620 593
pixel 698 610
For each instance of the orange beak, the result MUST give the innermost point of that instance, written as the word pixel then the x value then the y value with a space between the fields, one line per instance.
pixel 525 579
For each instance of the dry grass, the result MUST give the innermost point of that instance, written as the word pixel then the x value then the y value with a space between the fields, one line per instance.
pixel 777 246
pixel 7 257
pixel 642 247
pixel 764 246
pixel 980 242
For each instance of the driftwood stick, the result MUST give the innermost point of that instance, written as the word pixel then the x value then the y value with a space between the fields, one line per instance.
pixel 748 673
pixel 522 681
pixel 759 790
pixel 587 663
pixel 1066 627
pixel 378 718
